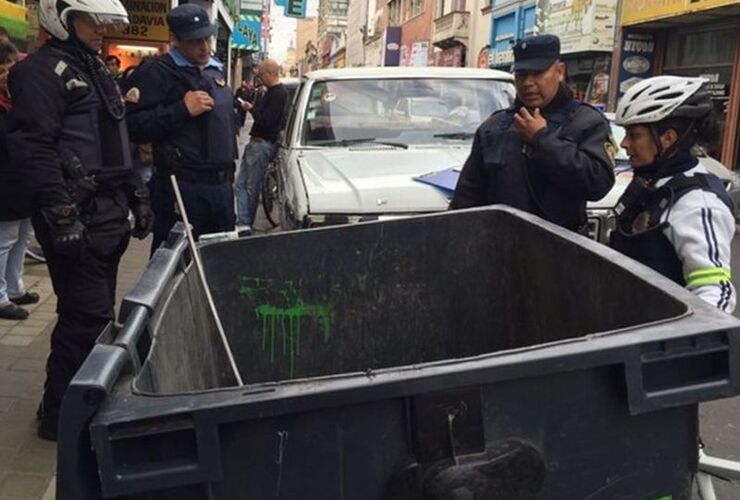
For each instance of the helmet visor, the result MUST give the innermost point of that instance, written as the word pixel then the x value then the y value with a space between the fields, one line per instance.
pixel 115 21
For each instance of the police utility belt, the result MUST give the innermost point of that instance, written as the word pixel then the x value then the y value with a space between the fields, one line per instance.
pixel 84 185
pixel 168 161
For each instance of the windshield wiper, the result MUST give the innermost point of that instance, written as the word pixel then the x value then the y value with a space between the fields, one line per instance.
pixel 456 135
pixel 368 140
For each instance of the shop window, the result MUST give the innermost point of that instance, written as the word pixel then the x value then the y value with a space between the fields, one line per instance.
pixel 417 7
pixel 394 12
pixel 708 54
pixel 700 48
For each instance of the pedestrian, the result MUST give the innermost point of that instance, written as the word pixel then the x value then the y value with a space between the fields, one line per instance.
pixel 15 210
pixel 269 120
pixel 67 137
pixel 245 93
pixel 180 102
pixel 547 154
pixel 675 216
pixel 113 63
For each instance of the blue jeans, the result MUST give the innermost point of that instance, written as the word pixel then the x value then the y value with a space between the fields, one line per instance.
pixel 13 241
pixel 248 183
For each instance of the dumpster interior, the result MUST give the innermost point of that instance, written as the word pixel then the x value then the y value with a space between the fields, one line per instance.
pixel 385 294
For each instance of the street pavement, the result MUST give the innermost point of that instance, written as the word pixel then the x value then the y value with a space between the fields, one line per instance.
pixel 27 463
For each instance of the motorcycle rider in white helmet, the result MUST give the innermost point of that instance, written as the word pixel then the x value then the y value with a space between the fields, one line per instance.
pixel 675 216
pixel 67 135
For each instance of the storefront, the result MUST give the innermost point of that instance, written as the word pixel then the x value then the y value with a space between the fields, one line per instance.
pixel 507 29
pixel 146 35
pixel 686 39
pixel 452 57
pixel 586 32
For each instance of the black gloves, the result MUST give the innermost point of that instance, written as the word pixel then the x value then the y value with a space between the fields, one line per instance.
pixel 67 232
pixel 143 215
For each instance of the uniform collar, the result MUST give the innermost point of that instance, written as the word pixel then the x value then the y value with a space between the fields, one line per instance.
pixel 180 60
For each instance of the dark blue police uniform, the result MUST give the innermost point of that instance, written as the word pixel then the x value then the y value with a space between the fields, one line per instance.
pixel 70 151
pixel 569 162
pixel 199 150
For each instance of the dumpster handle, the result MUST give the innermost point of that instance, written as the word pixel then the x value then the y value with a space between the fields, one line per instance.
pixel 201 273
pixel 87 391
pixel 687 371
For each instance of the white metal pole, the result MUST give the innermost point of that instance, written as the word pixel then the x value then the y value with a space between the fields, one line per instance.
pixel 199 266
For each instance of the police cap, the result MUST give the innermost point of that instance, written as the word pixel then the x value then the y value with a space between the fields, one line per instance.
pixel 190 22
pixel 536 53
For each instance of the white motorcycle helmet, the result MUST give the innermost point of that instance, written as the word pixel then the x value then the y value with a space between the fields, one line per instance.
pixel 54 14
pixel 660 97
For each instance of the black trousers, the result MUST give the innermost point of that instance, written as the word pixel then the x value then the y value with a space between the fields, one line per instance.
pixel 85 288
pixel 210 207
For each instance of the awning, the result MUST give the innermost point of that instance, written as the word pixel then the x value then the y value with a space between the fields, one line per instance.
pixel 13 19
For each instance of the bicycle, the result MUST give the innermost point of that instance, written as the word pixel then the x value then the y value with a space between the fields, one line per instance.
pixel 270 195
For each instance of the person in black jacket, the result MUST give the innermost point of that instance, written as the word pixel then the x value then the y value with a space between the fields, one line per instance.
pixel 547 154
pixel 68 140
pixel 181 104
pixel 15 210
pixel 269 120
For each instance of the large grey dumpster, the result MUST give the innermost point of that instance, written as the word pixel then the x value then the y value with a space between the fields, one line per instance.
pixel 480 352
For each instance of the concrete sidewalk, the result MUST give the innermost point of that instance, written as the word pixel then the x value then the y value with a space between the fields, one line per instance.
pixel 27 463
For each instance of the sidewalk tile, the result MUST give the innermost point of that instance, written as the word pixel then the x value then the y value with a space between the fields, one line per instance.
pixel 25 330
pixel 51 491
pixel 34 461
pixel 28 365
pixel 23 485
pixel 17 341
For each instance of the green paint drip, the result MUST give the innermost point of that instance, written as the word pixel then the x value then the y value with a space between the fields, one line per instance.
pixel 273 317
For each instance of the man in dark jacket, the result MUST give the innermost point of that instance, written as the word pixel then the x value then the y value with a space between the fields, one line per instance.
pixel 547 154
pixel 15 210
pixel 68 140
pixel 181 104
pixel 269 120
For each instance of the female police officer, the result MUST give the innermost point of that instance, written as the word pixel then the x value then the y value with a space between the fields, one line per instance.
pixel 675 216
pixel 68 138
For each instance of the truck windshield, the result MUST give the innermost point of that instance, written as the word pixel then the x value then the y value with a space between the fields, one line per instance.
pixel 408 111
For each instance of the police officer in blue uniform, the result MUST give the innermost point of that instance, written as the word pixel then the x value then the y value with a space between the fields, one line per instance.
pixel 548 153
pixel 181 104
pixel 69 143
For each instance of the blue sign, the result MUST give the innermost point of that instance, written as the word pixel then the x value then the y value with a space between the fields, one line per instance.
pixel 247 32
pixel 392 46
pixel 295 8
pixel 637 61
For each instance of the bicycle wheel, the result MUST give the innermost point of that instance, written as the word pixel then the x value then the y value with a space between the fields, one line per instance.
pixel 270 200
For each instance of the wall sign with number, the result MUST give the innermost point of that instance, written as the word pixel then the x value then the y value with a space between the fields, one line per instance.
pixel 148 21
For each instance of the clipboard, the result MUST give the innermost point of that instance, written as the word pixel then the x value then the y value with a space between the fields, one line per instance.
pixel 445 180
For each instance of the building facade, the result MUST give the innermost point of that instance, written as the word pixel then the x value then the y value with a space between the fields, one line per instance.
pixel 687 38
pixel 451 32
pixel 306 45
pixel 356 28
pixel 332 37
pixel 480 34
pixel 510 22
pixel 586 30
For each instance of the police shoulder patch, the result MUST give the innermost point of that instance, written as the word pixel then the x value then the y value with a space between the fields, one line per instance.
pixel 133 95
pixel 220 82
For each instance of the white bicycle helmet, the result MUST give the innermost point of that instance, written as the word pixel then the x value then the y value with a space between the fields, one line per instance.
pixel 54 14
pixel 660 97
